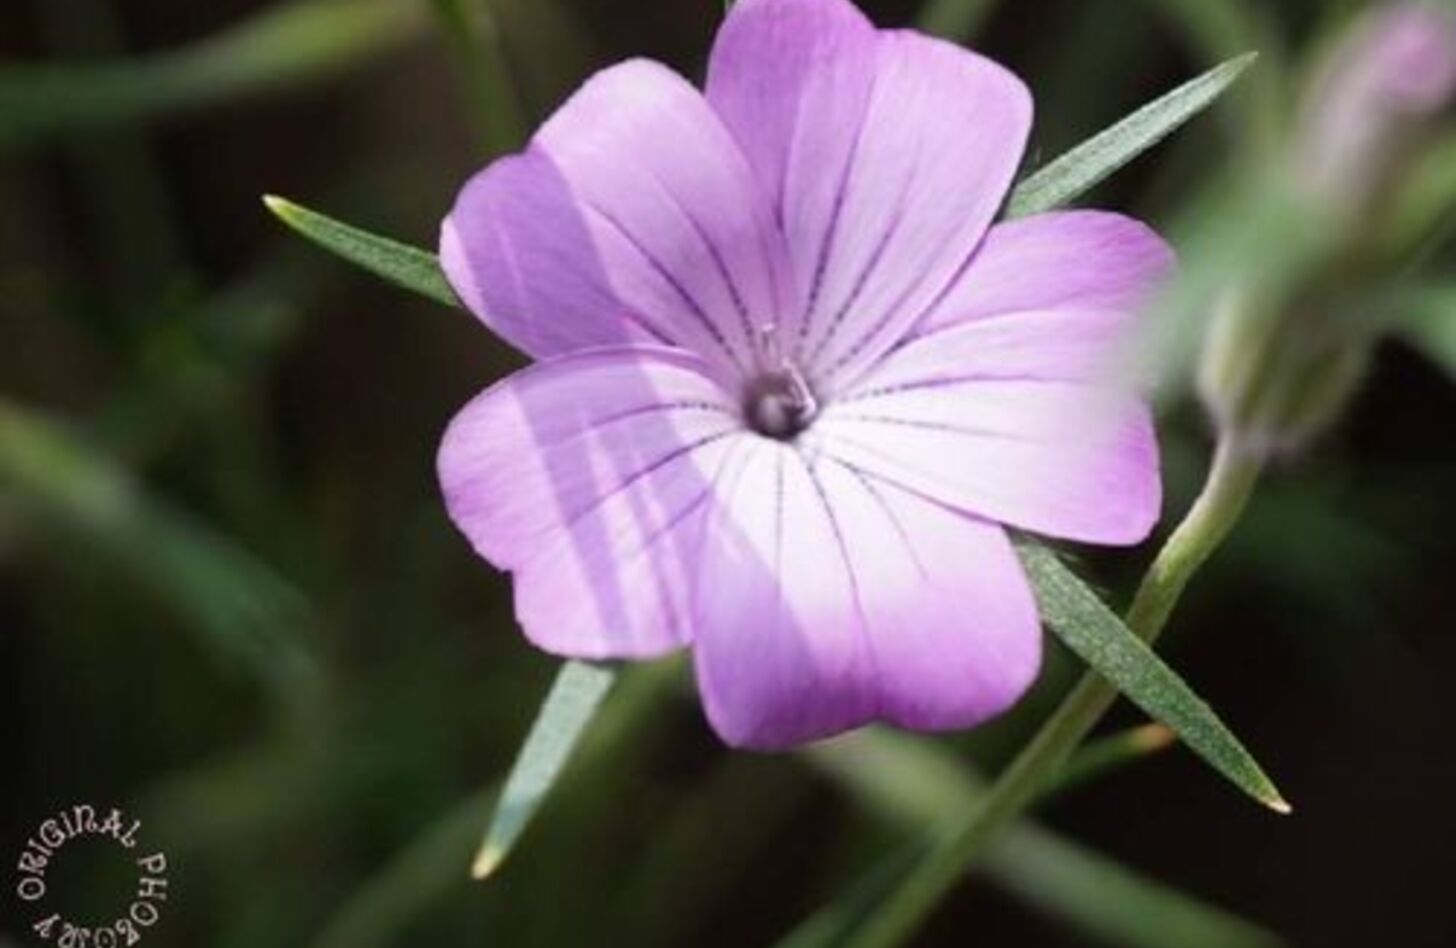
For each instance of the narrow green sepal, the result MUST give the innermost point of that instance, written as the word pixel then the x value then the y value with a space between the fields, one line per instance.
pixel 400 264
pixel 1085 166
pixel 1097 636
pixel 569 708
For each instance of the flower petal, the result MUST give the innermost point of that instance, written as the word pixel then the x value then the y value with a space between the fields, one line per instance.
pixel 634 215
pixel 888 154
pixel 792 80
pixel 685 234
pixel 1011 418
pixel 518 252
pixel 1087 260
pixel 942 136
pixel 587 476
pixel 828 599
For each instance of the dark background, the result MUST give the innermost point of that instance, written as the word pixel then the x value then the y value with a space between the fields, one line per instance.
pixel 231 603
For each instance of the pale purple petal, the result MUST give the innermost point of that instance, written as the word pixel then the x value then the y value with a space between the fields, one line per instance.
pixel 1078 345
pixel 792 80
pixel 942 135
pixel 517 250
pixel 1011 418
pixel 587 476
pixel 828 599
pixel 887 153
pixel 633 216
pixel 684 231
pixel 1088 260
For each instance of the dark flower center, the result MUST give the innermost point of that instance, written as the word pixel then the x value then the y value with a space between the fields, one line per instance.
pixel 779 404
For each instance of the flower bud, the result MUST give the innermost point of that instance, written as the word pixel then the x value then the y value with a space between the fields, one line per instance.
pixel 1275 382
pixel 1371 101
pixel 1285 353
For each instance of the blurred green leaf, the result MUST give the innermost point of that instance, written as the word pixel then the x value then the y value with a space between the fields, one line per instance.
pixel 398 263
pixel 742 808
pixel 251 616
pixel 1423 206
pixel 277 48
pixel 475 32
pixel 569 707
pixel 1099 637
pixel 917 786
pixel 832 924
pixel 1427 320
pixel 131 213
pixel 955 20
pixel 1080 169
pixel 377 912
pixel 1113 903
pixel 1217 30
pixel 203 354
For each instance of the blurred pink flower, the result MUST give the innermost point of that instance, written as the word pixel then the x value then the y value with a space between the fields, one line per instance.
pixel 1396 67
pixel 791 381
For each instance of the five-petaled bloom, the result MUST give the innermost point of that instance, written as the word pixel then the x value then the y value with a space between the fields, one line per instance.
pixel 791 382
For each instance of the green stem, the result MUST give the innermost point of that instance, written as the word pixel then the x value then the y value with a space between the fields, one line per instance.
pixel 1231 480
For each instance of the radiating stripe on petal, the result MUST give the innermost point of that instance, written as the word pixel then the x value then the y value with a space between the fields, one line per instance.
pixel 1084 260
pixel 1012 418
pixel 888 154
pixel 792 80
pixel 588 477
pixel 942 136
pixel 682 225
pixel 828 598
pixel 1084 346
pixel 633 216
pixel 519 254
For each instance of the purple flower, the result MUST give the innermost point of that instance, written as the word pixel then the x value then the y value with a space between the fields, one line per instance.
pixel 791 382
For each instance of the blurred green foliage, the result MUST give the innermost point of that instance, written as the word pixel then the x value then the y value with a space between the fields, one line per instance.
pixel 233 604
